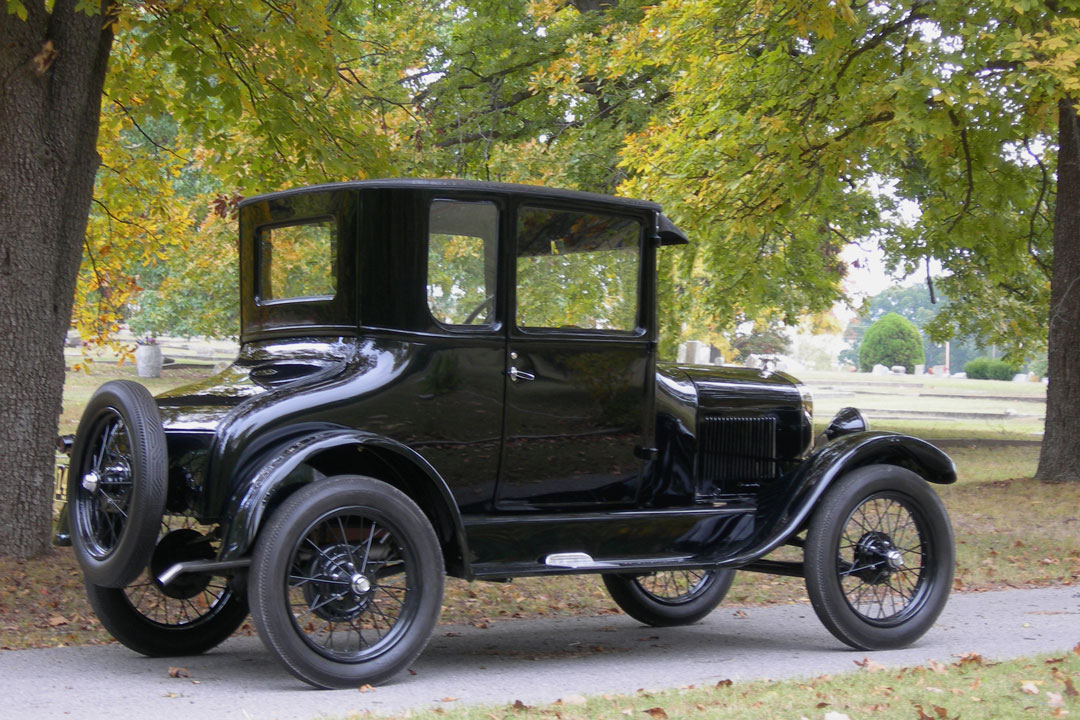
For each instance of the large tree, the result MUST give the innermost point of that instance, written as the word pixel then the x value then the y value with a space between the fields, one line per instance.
pixel 262 93
pixel 52 70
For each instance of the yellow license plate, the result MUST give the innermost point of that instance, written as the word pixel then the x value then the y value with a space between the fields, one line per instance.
pixel 60 482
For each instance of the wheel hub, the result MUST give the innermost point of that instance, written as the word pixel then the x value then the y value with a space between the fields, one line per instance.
pixel 359 584
pixel 339 591
pixel 179 546
pixel 91 481
pixel 876 558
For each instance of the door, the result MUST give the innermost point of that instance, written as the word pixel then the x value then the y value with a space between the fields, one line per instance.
pixel 578 360
pixel 457 401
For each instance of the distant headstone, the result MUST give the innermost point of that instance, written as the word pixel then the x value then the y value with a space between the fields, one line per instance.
pixel 960 375
pixel 703 354
pixel 898 369
pixel 693 347
pixel 148 360
pixel 684 351
pixel 880 370
pixel 920 369
pixel 1020 377
pixel 939 370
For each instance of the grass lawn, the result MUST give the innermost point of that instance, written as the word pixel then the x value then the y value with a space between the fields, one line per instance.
pixel 1039 687
pixel 1010 532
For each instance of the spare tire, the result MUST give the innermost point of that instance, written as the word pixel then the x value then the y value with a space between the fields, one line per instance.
pixel 117 483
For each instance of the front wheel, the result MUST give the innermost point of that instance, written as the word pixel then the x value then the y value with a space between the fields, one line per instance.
pixel 670 597
pixel 346 582
pixel 879 558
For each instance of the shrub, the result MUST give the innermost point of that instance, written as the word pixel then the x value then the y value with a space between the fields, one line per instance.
pixel 892 340
pixel 985 368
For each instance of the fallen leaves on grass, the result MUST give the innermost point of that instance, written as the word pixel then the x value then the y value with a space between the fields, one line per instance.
pixel 657 712
pixel 870 665
pixel 937 667
pixel 970 658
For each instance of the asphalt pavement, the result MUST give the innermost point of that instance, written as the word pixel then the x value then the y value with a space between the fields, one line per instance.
pixel 535 661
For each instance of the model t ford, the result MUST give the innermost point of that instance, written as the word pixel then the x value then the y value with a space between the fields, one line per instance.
pixel 442 377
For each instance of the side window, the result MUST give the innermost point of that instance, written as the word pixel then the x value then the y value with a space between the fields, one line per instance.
pixel 577 270
pixel 298 262
pixel 462 253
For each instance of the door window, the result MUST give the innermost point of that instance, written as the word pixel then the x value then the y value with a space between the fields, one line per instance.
pixel 577 271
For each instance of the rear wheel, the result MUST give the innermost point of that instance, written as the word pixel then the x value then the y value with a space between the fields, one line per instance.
pixel 191 615
pixel 117 483
pixel 346 582
pixel 879 558
pixel 669 597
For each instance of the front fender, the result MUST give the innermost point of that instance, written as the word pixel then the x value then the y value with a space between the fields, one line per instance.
pixel 248 505
pixel 784 512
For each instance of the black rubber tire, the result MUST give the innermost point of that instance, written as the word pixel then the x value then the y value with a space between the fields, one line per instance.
pixel 883 501
pixel 113 530
pixel 408 545
pixel 134 629
pixel 666 609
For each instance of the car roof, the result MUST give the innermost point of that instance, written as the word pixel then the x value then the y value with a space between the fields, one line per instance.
pixel 536 191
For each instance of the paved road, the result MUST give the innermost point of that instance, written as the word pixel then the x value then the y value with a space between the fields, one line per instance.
pixel 534 661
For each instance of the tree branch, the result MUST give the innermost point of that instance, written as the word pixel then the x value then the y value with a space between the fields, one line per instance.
pixel 1043 187
pixel 881 35
pixel 967 169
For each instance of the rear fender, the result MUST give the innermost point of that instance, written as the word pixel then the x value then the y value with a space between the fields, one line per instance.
pixel 319 454
pixel 786 512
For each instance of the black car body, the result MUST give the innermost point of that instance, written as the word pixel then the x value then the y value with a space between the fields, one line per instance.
pixel 488 352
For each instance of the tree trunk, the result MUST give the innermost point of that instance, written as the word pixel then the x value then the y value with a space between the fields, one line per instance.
pixel 52 71
pixel 1059 460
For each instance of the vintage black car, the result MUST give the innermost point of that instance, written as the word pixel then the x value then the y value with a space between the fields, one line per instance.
pixel 449 377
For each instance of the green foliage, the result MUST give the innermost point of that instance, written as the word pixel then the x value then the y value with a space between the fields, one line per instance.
pixel 17 8
pixel 809 125
pixel 892 340
pixel 801 129
pixel 764 338
pixel 1040 365
pixel 913 303
pixel 985 368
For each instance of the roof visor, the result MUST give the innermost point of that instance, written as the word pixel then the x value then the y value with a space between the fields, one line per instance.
pixel 670 234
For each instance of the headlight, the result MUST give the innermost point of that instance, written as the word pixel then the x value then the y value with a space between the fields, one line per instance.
pixel 807 400
pixel 847 421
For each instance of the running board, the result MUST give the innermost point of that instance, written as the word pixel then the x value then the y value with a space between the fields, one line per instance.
pixel 213 567
pixel 575 560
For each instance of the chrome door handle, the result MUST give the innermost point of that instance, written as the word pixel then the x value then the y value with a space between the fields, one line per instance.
pixel 516 375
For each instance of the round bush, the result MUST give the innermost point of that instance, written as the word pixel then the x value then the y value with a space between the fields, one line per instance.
pixel 985 368
pixel 892 340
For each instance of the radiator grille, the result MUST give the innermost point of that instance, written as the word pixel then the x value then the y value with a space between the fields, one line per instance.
pixel 736 450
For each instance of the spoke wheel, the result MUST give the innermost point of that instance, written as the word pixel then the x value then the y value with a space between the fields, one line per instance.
pixel 879 558
pixel 670 597
pixel 117 485
pixel 192 614
pixel 347 582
